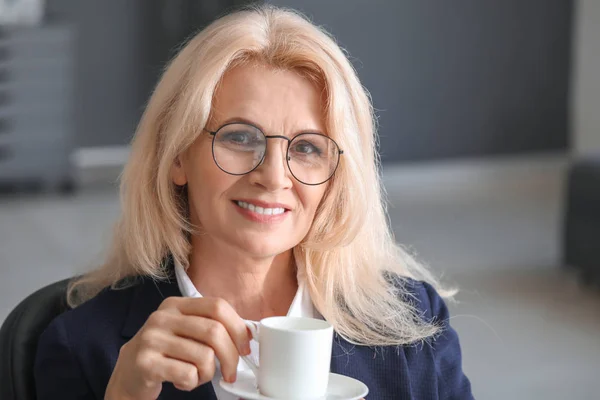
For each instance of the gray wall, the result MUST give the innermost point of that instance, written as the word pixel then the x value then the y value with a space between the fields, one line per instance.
pixel 109 63
pixel 458 78
pixel 449 79
pixel 122 46
pixel 586 79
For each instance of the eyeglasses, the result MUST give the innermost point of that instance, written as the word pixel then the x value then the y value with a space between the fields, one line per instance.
pixel 239 148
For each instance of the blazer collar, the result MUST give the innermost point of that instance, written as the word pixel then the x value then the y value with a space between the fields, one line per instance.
pixel 147 296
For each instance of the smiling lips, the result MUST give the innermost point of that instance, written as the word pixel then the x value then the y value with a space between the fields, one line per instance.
pixel 259 211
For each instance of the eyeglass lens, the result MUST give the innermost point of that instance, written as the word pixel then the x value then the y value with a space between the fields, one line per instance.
pixel 240 148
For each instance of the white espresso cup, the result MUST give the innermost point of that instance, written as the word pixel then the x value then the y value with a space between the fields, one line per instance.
pixel 294 357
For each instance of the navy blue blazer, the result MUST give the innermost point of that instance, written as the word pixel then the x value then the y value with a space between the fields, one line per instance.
pixel 78 351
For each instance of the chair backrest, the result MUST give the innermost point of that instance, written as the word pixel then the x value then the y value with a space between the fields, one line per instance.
pixel 19 337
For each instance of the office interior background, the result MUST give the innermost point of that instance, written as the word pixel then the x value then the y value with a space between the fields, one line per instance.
pixel 489 123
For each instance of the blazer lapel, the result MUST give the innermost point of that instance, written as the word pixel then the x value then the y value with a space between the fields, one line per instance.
pixel 148 296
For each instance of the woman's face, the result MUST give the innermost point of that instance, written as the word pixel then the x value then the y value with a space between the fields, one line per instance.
pixel 279 103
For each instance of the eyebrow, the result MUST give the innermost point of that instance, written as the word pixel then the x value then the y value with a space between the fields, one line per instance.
pixel 257 125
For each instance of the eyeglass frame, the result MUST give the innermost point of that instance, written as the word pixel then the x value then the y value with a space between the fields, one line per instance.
pixel 287 157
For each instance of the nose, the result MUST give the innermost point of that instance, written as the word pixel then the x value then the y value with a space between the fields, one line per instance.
pixel 273 173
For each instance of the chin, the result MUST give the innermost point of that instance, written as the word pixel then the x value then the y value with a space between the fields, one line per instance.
pixel 267 251
pixel 264 248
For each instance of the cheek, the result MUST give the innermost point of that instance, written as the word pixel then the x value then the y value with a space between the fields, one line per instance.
pixel 311 198
pixel 206 182
pixel 210 187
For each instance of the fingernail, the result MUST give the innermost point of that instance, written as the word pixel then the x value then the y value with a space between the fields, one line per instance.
pixel 247 350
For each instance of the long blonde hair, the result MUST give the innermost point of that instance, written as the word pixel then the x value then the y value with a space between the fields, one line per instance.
pixel 353 268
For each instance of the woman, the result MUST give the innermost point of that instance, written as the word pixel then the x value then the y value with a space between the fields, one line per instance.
pixel 252 191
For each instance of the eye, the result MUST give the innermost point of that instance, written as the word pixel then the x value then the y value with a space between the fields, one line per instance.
pixel 305 147
pixel 238 137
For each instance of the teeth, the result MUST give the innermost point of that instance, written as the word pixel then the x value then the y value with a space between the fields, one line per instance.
pixel 260 210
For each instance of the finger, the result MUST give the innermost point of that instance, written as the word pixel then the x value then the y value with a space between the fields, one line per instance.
pixel 219 310
pixel 193 352
pixel 204 330
pixel 213 334
pixel 158 368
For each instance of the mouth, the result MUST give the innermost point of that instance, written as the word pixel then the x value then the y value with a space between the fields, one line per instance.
pixel 262 208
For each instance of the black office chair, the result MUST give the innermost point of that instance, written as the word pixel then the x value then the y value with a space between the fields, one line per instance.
pixel 19 336
pixel 582 219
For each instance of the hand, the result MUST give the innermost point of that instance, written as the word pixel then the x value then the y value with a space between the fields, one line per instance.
pixel 178 344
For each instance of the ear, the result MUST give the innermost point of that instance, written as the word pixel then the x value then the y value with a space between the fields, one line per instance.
pixel 178 172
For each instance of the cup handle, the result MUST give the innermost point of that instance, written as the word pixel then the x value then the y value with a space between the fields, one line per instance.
pixel 253 327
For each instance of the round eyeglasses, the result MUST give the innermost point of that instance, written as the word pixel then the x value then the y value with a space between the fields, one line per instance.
pixel 239 148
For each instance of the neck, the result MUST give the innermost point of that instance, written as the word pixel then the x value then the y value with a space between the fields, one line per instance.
pixel 256 287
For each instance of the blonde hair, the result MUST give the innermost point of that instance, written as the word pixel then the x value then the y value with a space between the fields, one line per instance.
pixel 353 268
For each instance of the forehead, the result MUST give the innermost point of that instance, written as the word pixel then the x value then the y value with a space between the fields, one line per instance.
pixel 272 98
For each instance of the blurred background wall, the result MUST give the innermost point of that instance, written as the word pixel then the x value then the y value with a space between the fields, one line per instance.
pixel 111 71
pixel 586 85
pixel 460 78
pixel 121 49
pixel 449 79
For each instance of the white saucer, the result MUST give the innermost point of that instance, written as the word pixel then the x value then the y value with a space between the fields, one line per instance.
pixel 340 387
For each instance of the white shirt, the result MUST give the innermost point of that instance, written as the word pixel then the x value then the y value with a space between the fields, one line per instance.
pixel 301 306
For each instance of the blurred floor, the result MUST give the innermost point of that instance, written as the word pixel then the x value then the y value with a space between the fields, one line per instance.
pixel 528 335
pixel 528 330
pixel 44 238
